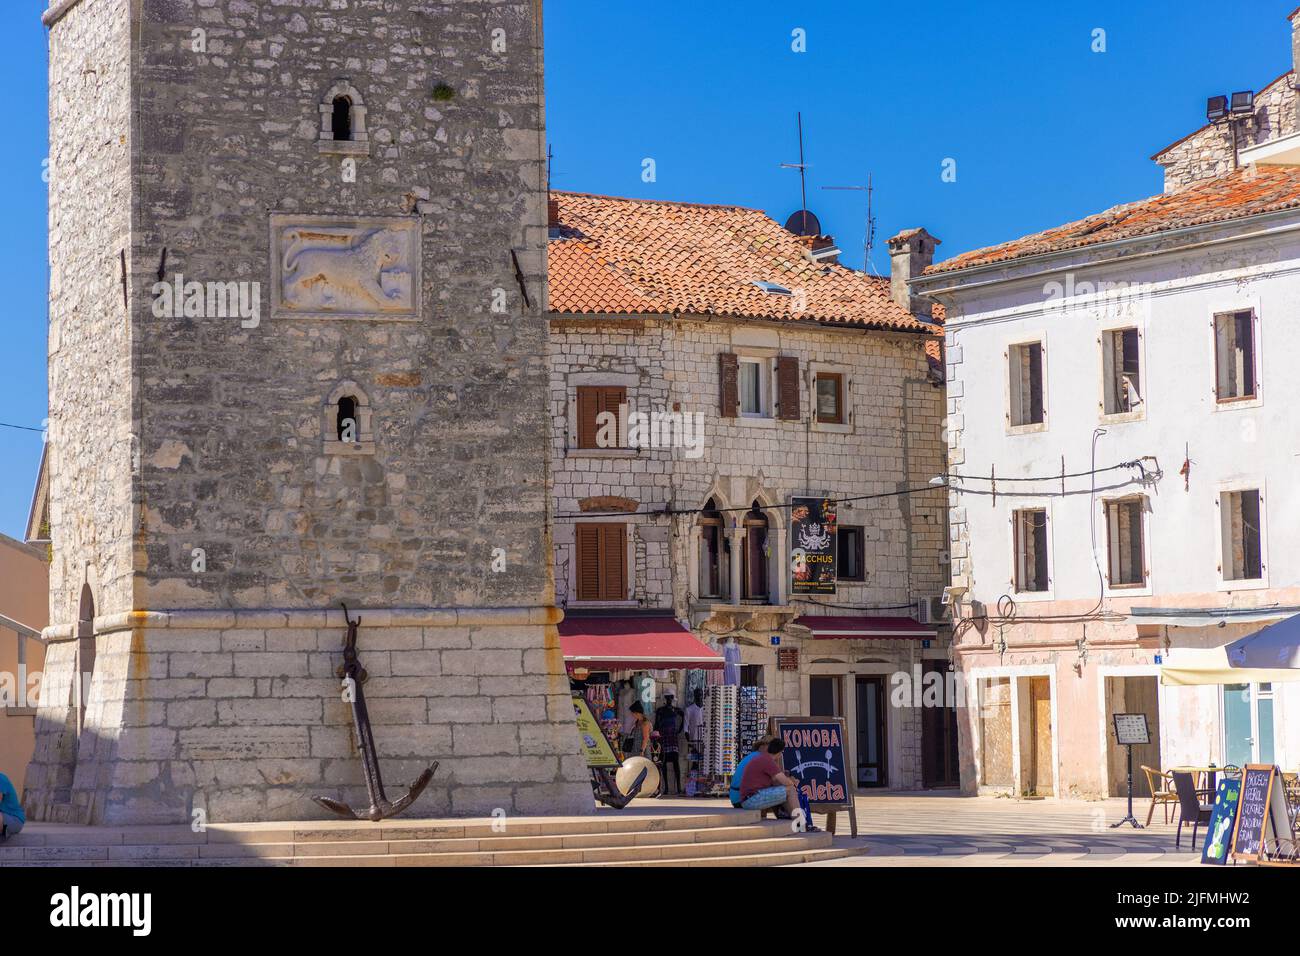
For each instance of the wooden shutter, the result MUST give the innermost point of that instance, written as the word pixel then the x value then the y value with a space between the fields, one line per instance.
pixel 787 388
pixel 728 385
pixel 592 400
pixel 602 561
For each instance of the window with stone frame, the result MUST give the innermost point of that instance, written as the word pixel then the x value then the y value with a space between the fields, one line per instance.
pixel 830 398
pixel 1025 368
pixel 1125 543
pixel 1029 532
pixel 754 556
pixel 601 560
pixel 342 128
pixel 1122 368
pixel 754 380
pixel 598 415
pixel 1241 535
pixel 714 554
pixel 347 422
pixel 1235 371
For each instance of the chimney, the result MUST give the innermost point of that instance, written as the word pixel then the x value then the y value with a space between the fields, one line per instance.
pixel 552 216
pixel 820 249
pixel 909 253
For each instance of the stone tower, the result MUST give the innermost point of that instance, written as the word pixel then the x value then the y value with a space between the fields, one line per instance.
pixel 296 359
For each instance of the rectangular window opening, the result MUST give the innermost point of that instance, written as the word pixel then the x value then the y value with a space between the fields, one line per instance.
pixel 1123 371
pixel 1026 369
pixel 1234 356
pixel 1030 527
pixel 1242 535
pixel 1126 556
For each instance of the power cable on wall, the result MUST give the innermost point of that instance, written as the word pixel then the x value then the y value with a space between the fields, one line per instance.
pixel 942 483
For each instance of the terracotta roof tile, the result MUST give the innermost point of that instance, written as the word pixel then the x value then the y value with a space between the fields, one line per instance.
pixel 1248 191
pixel 638 256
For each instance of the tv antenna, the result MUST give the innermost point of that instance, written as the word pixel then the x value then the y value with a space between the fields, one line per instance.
pixel 869 232
pixel 803 167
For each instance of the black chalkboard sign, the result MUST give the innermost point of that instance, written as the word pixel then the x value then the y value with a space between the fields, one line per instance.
pixel 816 754
pixel 1258 812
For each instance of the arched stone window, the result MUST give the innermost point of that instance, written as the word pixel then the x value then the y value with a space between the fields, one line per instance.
pixel 346 422
pixel 714 552
pixel 343 121
pixel 754 555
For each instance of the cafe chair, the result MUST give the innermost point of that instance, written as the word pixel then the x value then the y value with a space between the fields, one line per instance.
pixel 1191 809
pixel 1161 786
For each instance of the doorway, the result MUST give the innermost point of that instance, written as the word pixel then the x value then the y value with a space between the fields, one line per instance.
pixel 872 752
pixel 824 696
pixel 1132 695
pixel 1039 780
pixel 939 731
pixel 1248 724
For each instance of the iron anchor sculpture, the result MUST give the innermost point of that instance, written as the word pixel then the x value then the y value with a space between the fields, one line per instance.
pixel 354 675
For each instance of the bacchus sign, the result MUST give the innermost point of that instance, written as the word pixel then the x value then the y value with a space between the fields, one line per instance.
pixel 812 551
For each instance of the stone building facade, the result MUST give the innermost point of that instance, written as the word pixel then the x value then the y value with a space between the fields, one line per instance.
pixel 622 272
pixel 1214 149
pixel 360 419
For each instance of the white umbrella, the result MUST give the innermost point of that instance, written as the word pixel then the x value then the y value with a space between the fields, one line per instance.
pixel 1272 647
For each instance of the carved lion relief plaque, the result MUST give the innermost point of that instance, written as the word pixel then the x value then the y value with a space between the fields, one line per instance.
pixel 324 267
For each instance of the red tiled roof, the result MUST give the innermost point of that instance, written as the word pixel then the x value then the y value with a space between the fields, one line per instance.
pixel 1249 191
pixel 640 256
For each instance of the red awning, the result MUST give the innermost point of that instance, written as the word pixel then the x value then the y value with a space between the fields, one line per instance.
pixel 633 643
pixel 830 628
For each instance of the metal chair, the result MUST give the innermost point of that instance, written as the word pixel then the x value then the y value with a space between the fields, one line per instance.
pixel 1161 786
pixel 1190 807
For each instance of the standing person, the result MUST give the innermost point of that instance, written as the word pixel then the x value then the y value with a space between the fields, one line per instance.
pixel 668 722
pixel 12 817
pixel 765 785
pixel 638 741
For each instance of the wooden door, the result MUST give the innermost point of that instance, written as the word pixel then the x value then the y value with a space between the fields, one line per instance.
pixel 1040 720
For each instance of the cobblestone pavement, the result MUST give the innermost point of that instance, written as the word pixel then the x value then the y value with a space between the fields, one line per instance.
pixel 943 830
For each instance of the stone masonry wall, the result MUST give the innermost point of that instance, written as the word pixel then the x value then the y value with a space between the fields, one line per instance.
pixel 894 440
pixel 214 686
pixel 90 429
pixel 1208 152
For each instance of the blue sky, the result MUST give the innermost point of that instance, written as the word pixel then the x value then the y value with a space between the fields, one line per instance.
pixel 1042 129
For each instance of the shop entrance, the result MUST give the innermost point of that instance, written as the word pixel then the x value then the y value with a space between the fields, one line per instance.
pixel 939 734
pixel 873 761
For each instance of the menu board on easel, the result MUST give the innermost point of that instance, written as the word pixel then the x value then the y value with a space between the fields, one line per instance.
pixel 1261 812
pixel 815 755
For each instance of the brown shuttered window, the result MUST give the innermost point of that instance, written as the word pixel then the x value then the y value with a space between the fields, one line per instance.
pixel 787 387
pixel 592 400
pixel 728 385
pixel 602 561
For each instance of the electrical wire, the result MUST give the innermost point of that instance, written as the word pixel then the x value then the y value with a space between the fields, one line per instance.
pixel 666 510
pixel 25 428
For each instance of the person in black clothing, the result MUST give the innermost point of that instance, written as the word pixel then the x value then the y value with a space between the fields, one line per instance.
pixel 669 720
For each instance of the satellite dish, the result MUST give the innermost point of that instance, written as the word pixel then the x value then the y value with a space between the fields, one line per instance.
pixel 803 223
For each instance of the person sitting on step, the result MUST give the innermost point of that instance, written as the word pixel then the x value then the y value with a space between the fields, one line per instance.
pixel 765 785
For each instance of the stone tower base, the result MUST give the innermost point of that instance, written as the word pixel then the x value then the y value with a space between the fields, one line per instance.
pixel 240 715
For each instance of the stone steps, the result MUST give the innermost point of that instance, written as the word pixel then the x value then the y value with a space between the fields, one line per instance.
pixel 736 838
